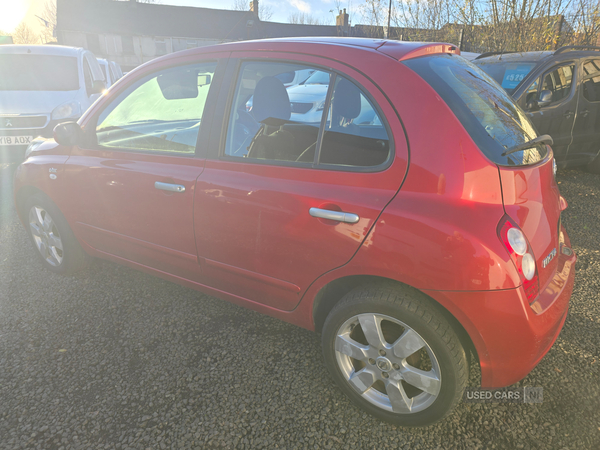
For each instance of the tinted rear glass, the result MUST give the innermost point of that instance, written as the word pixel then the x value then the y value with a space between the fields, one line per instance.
pixel 38 73
pixel 508 75
pixel 486 111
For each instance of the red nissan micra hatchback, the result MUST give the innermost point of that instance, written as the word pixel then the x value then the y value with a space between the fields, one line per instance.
pixel 399 203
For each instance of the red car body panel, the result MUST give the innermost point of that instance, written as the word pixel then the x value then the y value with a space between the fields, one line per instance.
pixel 242 231
pixel 253 229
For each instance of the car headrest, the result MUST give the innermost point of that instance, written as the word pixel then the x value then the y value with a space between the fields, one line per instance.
pixel 346 101
pixel 271 100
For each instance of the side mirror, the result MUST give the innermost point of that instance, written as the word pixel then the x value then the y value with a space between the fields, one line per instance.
pixel 545 98
pixel 68 133
pixel 98 86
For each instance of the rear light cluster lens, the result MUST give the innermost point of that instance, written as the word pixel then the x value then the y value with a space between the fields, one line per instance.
pixel 522 255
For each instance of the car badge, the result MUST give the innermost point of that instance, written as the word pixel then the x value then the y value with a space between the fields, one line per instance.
pixel 8 123
pixel 549 258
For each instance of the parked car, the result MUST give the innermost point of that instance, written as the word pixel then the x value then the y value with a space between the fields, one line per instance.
pixel 109 77
pixel 409 240
pixel 116 70
pixel 41 86
pixel 560 91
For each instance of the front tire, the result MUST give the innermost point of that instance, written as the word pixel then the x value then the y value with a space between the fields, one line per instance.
pixel 52 238
pixel 392 352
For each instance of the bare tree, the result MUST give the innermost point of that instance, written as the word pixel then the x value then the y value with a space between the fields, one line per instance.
pixel 24 35
pixel 501 25
pixel 48 18
pixel 265 12
pixel 304 19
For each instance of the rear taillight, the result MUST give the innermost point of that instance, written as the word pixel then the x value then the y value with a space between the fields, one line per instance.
pixel 520 251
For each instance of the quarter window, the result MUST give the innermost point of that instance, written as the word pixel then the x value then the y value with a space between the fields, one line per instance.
pixel 160 113
pixel 559 82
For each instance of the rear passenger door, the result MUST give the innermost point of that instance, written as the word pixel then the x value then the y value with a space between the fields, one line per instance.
pixel 296 179
pixel 586 132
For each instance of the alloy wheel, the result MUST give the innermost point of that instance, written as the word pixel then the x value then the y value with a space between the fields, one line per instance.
pixel 46 236
pixel 388 363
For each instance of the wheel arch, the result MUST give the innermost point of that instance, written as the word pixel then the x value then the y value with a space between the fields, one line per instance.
pixel 21 196
pixel 330 294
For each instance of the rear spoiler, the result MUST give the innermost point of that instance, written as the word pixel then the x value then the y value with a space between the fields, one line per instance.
pixel 408 50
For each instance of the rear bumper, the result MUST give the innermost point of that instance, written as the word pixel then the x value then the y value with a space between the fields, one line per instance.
pixel 510 336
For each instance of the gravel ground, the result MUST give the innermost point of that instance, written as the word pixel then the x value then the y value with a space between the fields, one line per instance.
pixel 114 358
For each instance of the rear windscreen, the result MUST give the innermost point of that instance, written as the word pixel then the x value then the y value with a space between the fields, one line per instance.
pixel 486 111
pixel 507 74
pixel 38 73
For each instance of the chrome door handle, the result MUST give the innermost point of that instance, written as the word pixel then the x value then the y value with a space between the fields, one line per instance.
pixel 337 216
pixel 169 187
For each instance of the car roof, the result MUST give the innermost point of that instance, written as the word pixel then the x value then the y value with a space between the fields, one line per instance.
pixel 54 50
pixel 568 52
pixel 399 50
pixel 515 57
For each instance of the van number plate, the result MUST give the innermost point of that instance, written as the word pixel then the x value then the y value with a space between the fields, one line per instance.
pixel 15 140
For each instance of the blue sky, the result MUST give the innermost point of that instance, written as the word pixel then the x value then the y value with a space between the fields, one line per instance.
pixel 282 9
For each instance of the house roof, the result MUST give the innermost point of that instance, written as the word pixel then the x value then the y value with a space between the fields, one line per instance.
pixel 145 19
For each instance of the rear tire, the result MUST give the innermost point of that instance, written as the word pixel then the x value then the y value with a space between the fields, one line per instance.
pixel 52 238
pixel 395 355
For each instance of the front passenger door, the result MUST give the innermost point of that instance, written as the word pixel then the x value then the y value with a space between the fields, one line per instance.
pixel 556 118
pixel 132 184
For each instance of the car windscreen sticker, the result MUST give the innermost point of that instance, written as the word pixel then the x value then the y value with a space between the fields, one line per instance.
pixel 514 74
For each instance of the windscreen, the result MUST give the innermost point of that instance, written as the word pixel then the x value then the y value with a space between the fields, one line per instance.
pixel 38 73
pixel 508 75
pixel 487 112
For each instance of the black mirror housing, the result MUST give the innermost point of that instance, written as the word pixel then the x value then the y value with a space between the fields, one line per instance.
pixel 545 98
pixel 68 133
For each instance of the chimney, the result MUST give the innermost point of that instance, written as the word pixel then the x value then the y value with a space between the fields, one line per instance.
pixel 342 23
pixel 254 7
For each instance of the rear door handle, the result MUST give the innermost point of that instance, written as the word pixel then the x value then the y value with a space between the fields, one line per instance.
pixel 584 113
pixel 169 187
pixel 568 114
pixel 337 216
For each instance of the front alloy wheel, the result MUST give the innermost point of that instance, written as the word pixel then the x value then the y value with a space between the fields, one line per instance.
pixel 46 236
pixel 51 235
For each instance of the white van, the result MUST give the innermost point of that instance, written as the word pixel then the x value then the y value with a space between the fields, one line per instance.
pixel 41 86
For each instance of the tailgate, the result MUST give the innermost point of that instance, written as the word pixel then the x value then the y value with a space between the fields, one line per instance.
pixel 532 200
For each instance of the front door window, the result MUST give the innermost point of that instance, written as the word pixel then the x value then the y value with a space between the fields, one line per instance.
pixel 160 113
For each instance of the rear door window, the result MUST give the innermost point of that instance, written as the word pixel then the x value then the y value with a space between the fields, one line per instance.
pixel 487 112
pixel 591 80
pixel 326 121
